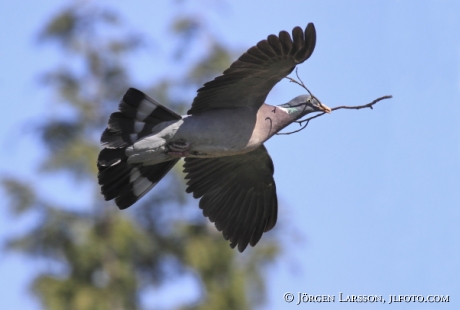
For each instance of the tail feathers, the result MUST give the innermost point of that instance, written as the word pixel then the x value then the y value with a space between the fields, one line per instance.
pixel 127 183
pixel 109 157
pixel 137 116
pixel 119 123
pixel 110 139
pixel 113 178
pixel 139 106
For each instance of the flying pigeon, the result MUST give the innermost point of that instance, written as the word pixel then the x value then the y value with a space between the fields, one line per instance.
pixel 221 139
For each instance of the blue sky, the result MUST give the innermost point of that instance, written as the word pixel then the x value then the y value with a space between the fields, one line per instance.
pixel 369 199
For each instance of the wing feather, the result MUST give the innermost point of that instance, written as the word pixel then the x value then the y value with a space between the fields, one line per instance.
pixel 250 78
pixel 237 193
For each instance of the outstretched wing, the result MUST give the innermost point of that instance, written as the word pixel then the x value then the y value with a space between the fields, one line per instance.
pixel 249 79
pixel 238 194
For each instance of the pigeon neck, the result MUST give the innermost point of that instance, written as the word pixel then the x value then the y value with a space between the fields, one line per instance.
pixel 275 117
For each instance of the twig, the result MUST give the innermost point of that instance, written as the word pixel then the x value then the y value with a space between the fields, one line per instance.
pixel 307 120
pixel 303 127
pixel 301 83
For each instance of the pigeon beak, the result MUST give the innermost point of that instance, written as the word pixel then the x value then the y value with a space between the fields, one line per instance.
pixel 325 108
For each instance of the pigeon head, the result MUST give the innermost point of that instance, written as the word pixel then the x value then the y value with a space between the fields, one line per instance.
pixel 304 104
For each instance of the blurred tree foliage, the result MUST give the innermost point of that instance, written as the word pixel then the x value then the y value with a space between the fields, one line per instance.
pixel 100 257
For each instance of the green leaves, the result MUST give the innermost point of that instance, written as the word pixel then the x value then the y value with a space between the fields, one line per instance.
pixel 22 196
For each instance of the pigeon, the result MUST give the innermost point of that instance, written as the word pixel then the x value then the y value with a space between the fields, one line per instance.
pixel 221 140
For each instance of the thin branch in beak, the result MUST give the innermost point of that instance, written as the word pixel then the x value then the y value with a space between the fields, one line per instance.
pixel 301 83
pixel 323 107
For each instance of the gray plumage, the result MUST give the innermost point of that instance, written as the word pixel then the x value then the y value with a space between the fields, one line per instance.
pixel 221 139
